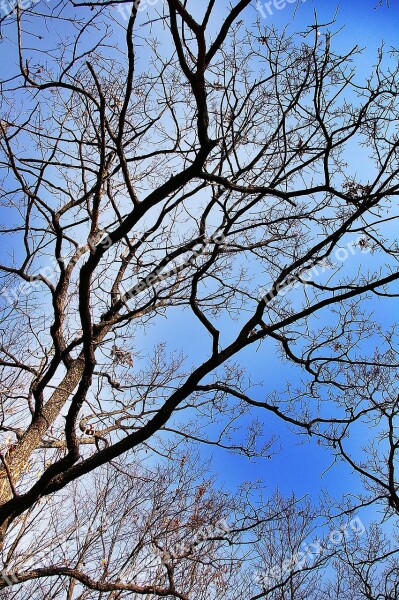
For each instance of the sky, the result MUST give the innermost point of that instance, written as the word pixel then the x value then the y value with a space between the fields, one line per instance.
pixel 302 467
pixel 298 467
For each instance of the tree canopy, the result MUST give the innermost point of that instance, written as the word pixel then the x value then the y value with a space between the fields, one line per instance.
pixel 180 192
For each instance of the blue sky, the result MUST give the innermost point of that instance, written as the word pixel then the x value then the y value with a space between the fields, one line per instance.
pixel 298 466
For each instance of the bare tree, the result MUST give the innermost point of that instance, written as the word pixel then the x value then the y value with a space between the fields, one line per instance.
pixel 134 530
pixel 199 170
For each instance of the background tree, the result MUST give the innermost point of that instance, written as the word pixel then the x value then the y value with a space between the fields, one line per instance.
pixel 176 174
pixel 144 531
